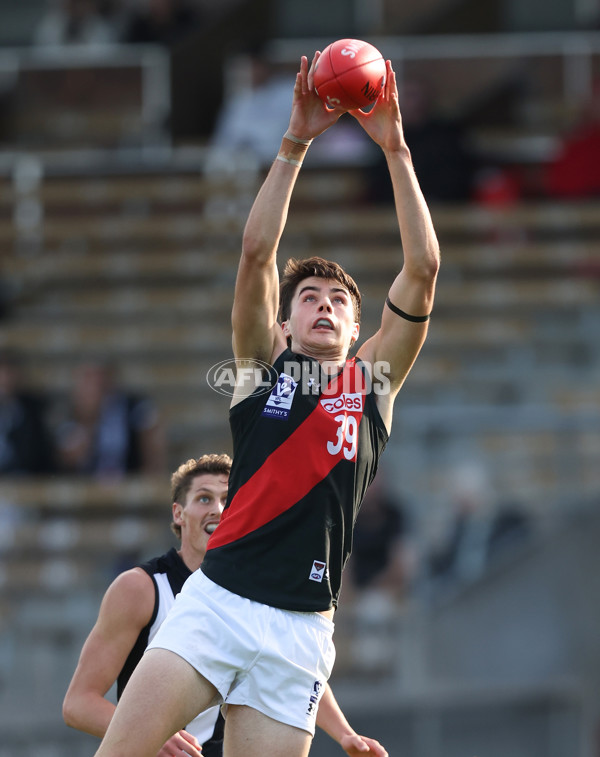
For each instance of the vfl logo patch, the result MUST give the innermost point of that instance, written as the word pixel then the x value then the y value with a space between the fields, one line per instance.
pixel 313 700
pixel 352 403
pixel 280 400
pixel 318 571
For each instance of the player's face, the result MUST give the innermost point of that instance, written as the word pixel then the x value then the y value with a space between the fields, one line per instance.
pixel 204 504
pixel 322 318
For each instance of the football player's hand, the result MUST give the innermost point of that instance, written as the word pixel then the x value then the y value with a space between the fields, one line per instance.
pixel 361 746
pixel 182 744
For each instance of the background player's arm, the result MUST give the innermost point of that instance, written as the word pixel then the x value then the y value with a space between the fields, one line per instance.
pixel 333 721
pixel 126 609
pixel 256 333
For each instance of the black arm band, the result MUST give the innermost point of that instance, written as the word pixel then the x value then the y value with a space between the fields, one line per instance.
pixel 406 316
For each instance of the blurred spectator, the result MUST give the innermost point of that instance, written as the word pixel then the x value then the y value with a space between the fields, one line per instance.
pixel 497 188
pixel 256 111
pixel 438 145
pixel 575 170
pixel 347 144
pixel 380 558
pixel 377 578
pixel 106 431
pixel 164 22
pixel 480 530
pixel 83 22
pixel 5 298
pixel 25 442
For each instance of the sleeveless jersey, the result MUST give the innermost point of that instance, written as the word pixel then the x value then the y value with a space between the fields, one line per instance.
pixel 306 447
pixel 169 573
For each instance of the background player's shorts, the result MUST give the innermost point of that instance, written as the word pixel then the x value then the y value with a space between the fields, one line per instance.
pixel 276 661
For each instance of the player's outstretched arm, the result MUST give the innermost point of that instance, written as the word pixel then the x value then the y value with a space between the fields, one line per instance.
pixel 332 720
pixel 400 339
pixel 256 333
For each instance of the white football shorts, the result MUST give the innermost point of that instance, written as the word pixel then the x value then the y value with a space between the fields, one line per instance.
pixel 276 661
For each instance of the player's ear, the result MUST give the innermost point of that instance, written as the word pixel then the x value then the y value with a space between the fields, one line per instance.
pixel 285 327
pixel 177 511
pixel 355 331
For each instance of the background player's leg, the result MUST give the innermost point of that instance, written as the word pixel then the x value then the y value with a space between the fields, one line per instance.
pixel 161 697
pixel 249 733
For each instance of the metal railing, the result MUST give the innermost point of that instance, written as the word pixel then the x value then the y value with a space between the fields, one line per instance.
pixel 152 62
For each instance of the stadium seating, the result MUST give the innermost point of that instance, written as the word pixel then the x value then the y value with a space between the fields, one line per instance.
pixel 138 268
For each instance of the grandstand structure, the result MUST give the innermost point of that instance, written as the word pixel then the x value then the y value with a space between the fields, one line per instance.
pixel 131 253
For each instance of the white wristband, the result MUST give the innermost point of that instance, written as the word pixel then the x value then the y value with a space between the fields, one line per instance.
pixel 291 161
pixel 297 140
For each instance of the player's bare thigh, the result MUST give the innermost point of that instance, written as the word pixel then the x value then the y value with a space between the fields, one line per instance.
pixel 164 694
pixel 249 733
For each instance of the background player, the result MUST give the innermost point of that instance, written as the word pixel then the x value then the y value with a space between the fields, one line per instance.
pixel 137 602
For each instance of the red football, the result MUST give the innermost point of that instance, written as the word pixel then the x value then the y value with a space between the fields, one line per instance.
pixel 349 74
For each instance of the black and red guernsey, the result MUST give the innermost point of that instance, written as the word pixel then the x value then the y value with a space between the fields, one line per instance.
pixel 305 450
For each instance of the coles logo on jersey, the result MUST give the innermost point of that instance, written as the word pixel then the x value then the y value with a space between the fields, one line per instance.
pixel 280 400
pixel 318 571
pixel 352 403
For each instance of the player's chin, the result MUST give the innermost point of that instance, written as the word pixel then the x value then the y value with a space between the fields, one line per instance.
pixel 325 340
pixel 204 540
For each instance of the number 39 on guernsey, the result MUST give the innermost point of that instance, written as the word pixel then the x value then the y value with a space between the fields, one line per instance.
pixel 346 437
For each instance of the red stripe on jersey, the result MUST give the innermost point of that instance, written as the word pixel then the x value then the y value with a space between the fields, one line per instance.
pixel 279 483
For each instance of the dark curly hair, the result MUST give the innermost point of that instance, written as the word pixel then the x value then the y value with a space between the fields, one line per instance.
pixel 296 271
